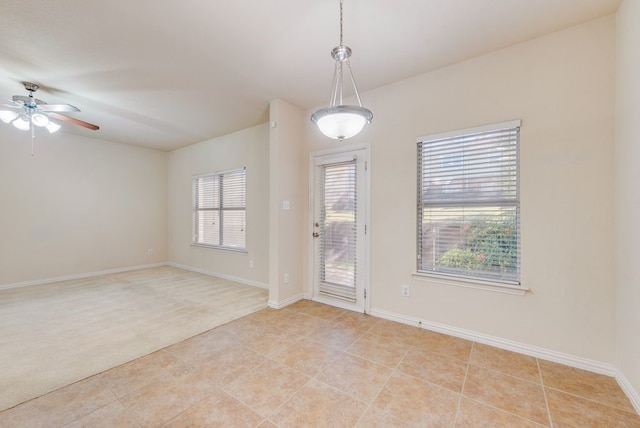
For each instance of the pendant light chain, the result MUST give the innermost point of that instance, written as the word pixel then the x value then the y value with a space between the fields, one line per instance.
pixel 341 23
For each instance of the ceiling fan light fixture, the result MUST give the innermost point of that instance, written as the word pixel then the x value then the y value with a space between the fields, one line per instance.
pixel 22 123
pixel 339 121
pixel 39 119
pixel 7 116
pixel 52 127
pixel 38 113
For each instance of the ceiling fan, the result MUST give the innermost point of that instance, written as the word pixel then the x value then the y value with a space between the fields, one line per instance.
pixel 25 111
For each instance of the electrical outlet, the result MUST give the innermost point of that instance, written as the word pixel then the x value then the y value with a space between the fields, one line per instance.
pixel 150 251
pixel 405 290
pixel 250 264
pixel 286 278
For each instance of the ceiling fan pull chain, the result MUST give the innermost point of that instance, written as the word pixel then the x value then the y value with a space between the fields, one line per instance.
pixel 33 138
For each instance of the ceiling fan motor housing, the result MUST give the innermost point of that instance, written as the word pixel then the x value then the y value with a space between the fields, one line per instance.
pixel 31 87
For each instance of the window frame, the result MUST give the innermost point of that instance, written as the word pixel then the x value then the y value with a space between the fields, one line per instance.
pixel 468 279
pixel 219 178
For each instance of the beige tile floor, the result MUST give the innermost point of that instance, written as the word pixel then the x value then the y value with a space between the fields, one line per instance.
pixel 316 365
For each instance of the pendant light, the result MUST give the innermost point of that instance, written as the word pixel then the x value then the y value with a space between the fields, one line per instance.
pixel 339 121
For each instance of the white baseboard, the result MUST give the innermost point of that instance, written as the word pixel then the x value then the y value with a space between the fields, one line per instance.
pixel 219 275
pixel 78 276
pixel 287 302
pixel 628 389
pixel 510 345
pixel 522 348
pixel 130 268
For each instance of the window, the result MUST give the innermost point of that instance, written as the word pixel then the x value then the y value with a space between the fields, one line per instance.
pixel 219 209
pixel 469 204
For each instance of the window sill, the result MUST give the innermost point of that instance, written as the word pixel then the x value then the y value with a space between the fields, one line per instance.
pixel 229 249
pixel 497 287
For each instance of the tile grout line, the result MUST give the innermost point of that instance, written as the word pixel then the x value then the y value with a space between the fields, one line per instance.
pixel 370 405
pixel 140 424
pixel 224 391
pixel 350 353
pixel 524 418
pixel 464 382
pixel 126 409
pixel 288 398
pixel 311 379
pixel 393 371
pixel 491 369
pixel 544 393
pixel 185 410
pixel 581 397
pixel 419 349
pixel 505 374
pixel 338 390
pixel 84 415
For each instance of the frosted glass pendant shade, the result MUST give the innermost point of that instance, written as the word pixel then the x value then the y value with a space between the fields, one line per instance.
pixel 341 122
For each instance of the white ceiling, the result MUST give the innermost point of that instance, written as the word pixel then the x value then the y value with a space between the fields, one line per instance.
pixel 165 74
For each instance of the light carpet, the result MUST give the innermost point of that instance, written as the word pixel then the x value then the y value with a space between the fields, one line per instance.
pixel 55 334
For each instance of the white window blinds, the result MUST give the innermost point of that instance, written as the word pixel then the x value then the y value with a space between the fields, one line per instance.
pixel 469 203
pixel 219 209
pixel 338 230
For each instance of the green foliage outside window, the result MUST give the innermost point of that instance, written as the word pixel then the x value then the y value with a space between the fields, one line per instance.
pixel 488 246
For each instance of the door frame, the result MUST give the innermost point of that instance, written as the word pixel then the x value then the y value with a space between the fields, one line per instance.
pixel 367 219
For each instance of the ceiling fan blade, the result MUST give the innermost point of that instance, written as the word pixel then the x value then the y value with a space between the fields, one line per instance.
pixel 12 105
pixel 73 120
pixel 57 107
pixel 21 98
pixel 27 100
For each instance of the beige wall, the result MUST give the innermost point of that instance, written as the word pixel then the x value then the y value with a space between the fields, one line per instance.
pixel 562 88
pixel 285 184
pixel 627 183
pixel 249 148
pixel 80 205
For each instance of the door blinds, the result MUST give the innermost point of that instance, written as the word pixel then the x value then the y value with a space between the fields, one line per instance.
pixel 338 230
